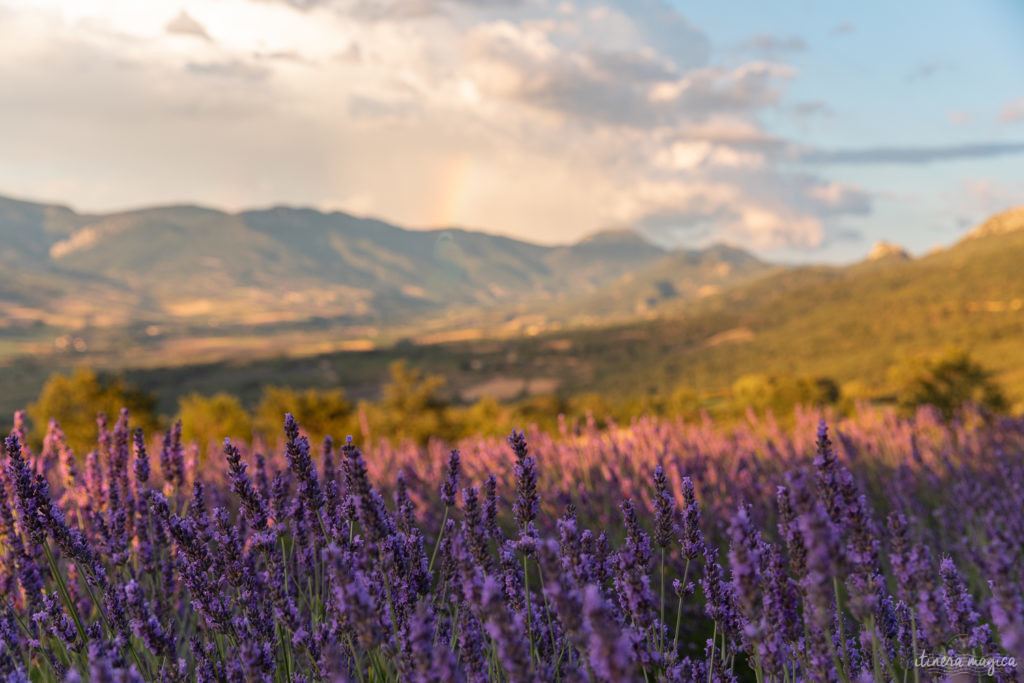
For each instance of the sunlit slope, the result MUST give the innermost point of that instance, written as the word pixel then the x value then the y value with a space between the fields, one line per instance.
pixel 848 323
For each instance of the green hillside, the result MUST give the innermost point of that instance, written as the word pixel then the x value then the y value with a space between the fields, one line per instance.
pixel 849 323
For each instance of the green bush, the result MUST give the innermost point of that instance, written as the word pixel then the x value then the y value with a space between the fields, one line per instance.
pixel 209 419
pixel 74 400
pixel 412 407
pixel 947 382
pixel 320 413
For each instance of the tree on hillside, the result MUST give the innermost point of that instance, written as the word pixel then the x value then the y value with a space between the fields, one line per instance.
pixel 781 393
pixel 947 382
pixel 319 413
pixel 74 400
pixel 542 410
pixel 209 419
pixel 412 407
pixel 486 417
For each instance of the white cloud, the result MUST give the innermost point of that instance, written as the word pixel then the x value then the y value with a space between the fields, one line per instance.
pixel 537 119
pixel 183 24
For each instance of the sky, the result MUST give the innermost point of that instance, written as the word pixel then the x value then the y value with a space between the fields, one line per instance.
pixel 803 131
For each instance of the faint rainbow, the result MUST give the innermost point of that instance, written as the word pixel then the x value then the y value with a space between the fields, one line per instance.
pixel 454 189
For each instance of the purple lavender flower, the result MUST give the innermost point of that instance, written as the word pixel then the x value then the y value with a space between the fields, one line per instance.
pixel 172 457
pixel 511 571
pixel 720 596
pixel 31 499
pixel 829 488
pixel 473 530
pixel 141 457
pixel 145 623
pixel 253 505
pixel 692 539
pixel 960 609
pixel 789 528
pixel 56 444
pixel 524 509
pixel 366 502
pixel 491 507
pixel 57 623
pixel 297 450
pixel 327 455
pixel 406 517
pixel 665 527
pixel 451 480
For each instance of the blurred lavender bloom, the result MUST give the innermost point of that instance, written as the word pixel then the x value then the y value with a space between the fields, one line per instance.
pixel 780 625
pixel 472 647
pixel 358 607
pixel 824 556
pixel 197 511
pixel 632 579
pixel 1007 605
pixel 610 647
pixel 18 565
pixel 506 630
pixel 425 661
pixel 26 491
pixel 745 557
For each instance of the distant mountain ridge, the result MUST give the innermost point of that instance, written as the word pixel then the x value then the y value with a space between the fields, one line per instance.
pixel 1000 224
pixel 283 265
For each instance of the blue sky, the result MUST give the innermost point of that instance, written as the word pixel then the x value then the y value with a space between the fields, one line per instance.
pixel 906 75
pixel 802 130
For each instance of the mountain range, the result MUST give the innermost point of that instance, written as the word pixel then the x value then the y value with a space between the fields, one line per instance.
pixel 173 271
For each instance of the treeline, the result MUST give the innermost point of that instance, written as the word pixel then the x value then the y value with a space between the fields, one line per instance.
pixel 415 406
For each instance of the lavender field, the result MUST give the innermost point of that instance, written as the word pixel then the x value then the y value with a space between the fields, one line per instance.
pixel 847 550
